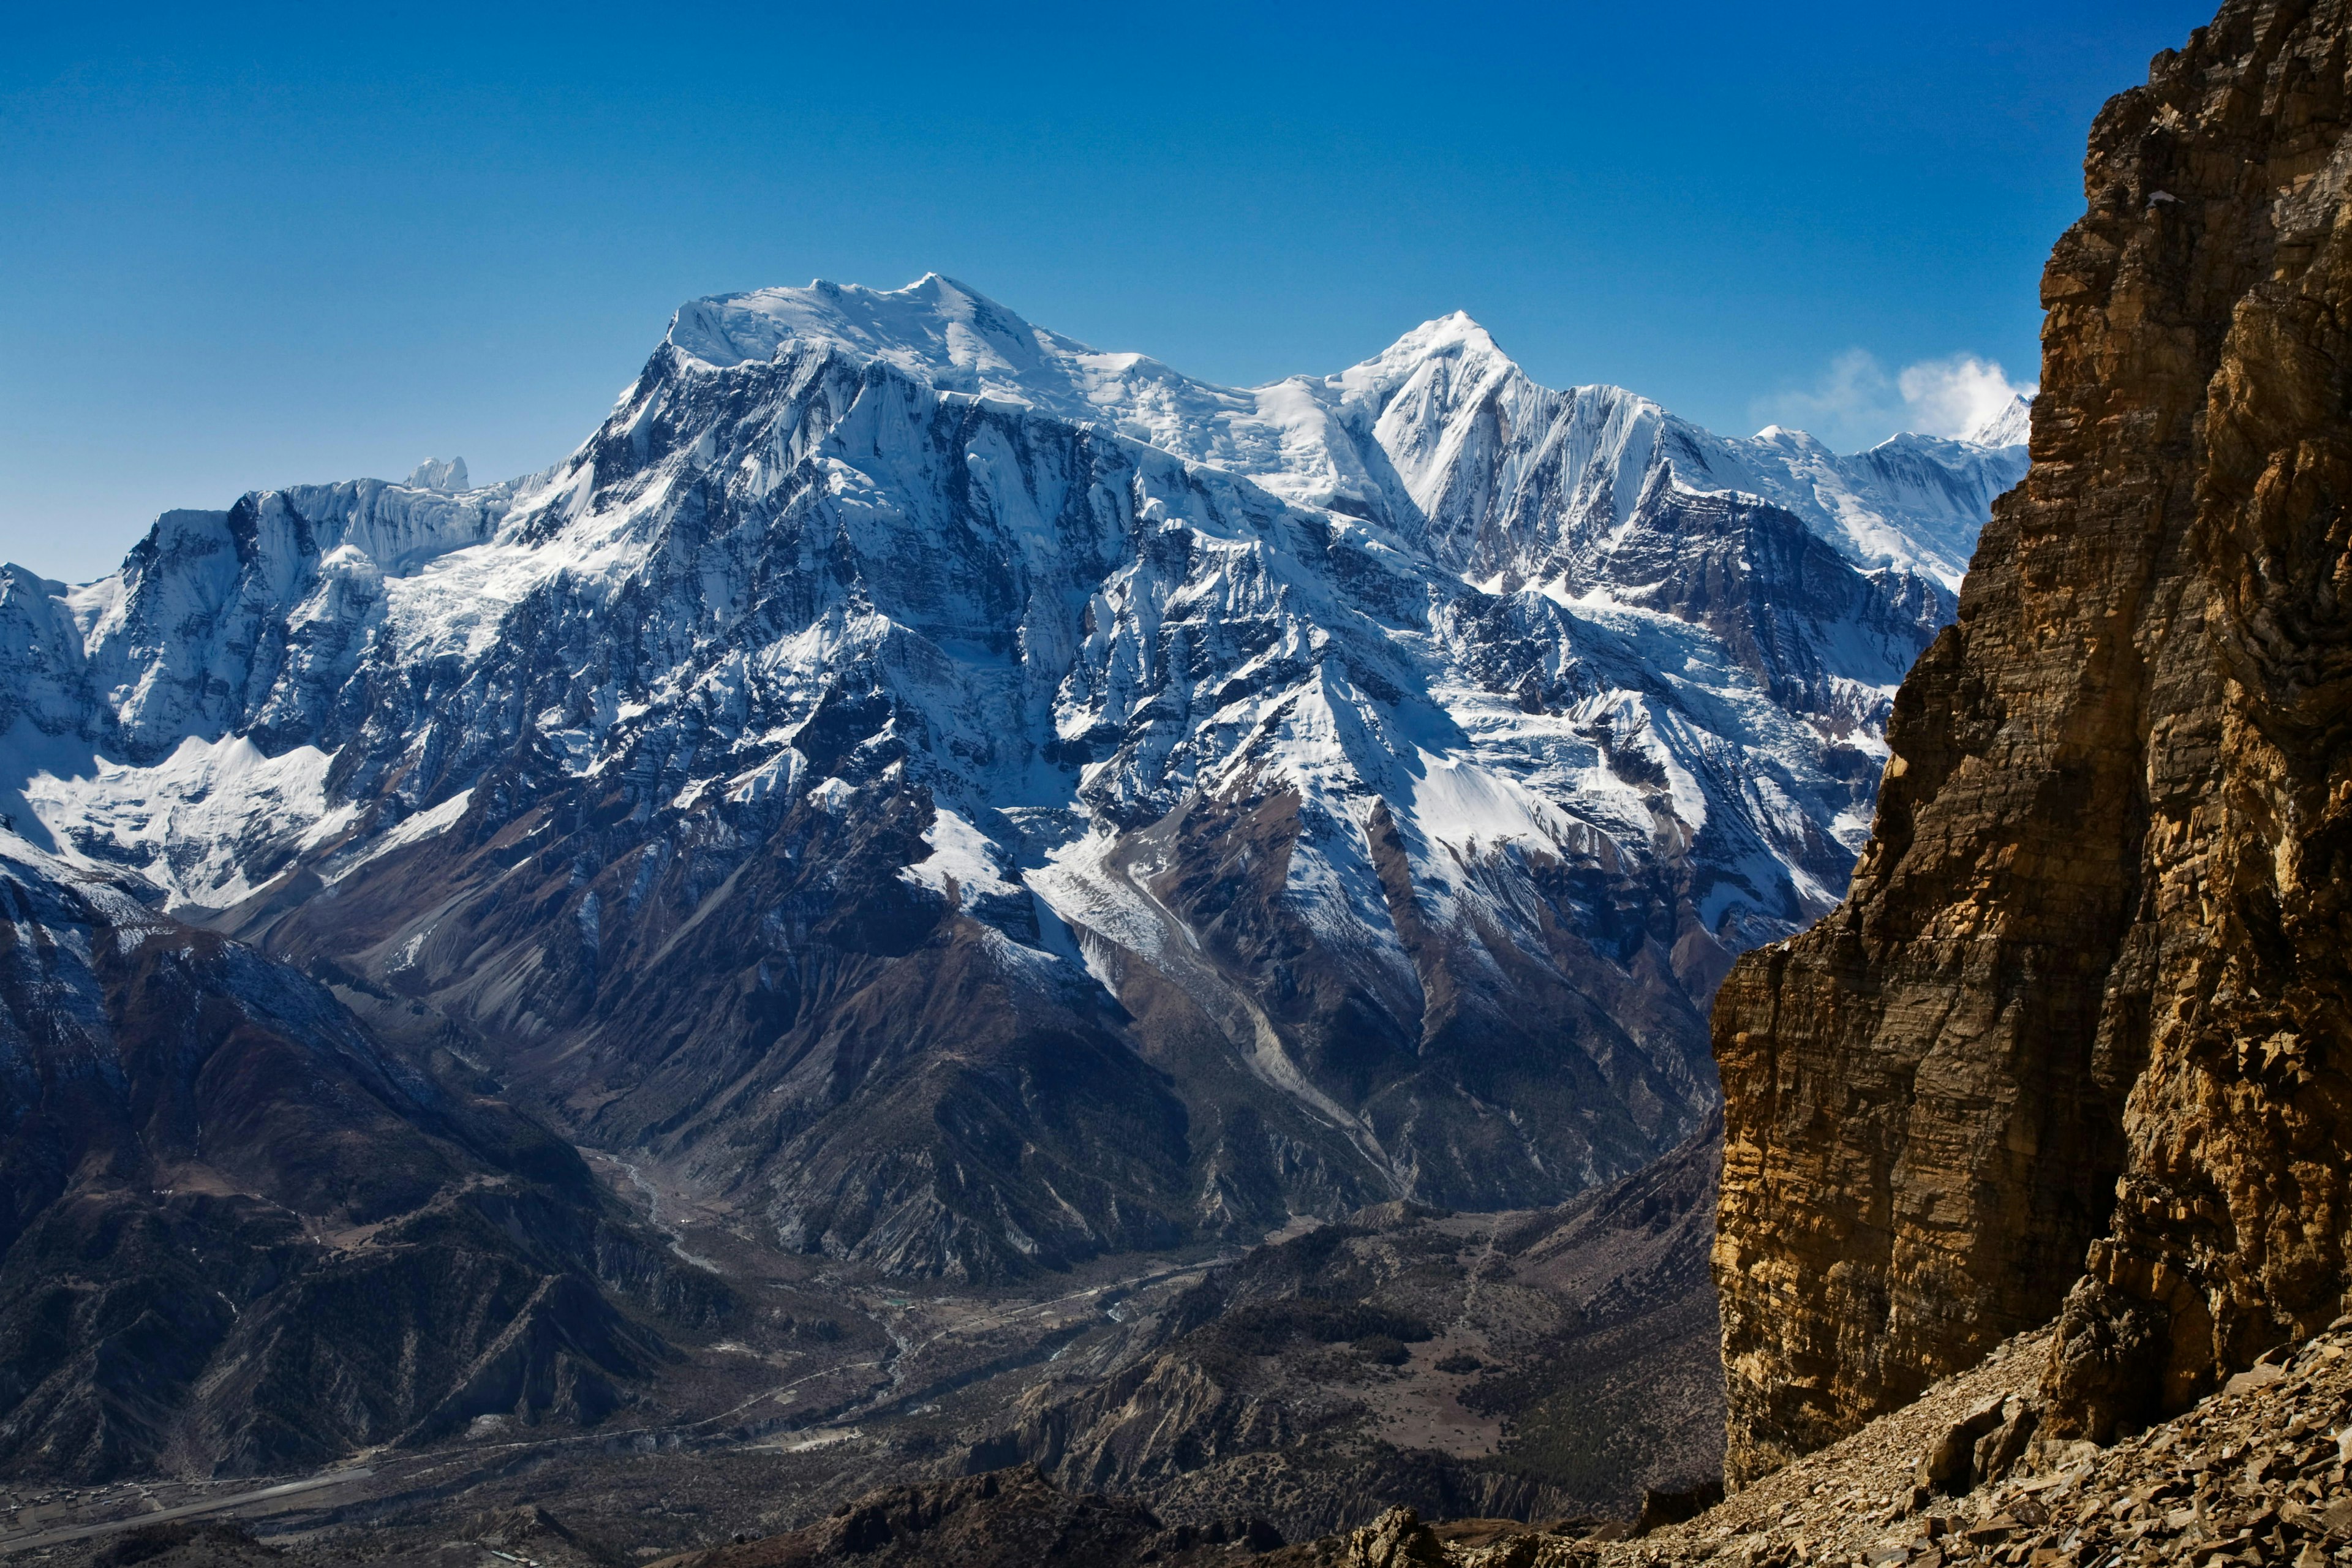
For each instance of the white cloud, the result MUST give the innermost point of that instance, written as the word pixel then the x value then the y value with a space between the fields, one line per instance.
pixel 1855 404
pixel 1953 396
pixel 1856 389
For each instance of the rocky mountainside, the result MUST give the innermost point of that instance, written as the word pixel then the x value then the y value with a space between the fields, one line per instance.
pixel 2087 996
pixel 2255 1472
pixel 1535 1364
pixel 240 1235
pixel 969 801
pixel 2259 1472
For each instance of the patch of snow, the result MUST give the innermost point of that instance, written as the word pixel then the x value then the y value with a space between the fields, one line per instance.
pixel 412 829
pixel 1455 801
pixel 960 853
pixel 193 822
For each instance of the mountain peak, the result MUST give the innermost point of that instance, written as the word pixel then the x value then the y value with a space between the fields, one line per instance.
pixel 439 474
pixel 2010 428
pixel 1454 334
pixel 933 325
pixel 1788 437
pixel 1453 338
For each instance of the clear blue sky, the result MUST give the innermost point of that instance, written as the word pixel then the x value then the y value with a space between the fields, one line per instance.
pixel 249 247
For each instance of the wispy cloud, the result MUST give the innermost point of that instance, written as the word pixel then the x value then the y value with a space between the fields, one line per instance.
pixel 1854 393
pixel 1855 404
pixel 1953 396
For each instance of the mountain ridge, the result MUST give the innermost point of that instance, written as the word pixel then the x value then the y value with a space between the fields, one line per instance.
pixel 243 1236
pixel 1312 439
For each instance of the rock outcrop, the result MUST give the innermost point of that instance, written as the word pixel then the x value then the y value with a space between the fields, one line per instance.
pixel 2086 997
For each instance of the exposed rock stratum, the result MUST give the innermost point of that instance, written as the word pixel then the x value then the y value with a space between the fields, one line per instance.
pixel 2085 998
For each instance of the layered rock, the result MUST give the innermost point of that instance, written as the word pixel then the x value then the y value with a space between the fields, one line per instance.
pixel 2097 943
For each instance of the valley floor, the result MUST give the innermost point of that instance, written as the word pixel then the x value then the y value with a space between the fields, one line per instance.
pixel 1533 1362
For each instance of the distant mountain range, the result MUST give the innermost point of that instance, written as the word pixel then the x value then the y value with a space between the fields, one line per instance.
pixel 964 802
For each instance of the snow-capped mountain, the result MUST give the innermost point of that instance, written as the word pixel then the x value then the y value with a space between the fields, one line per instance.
pixel 964 799
pixel 1395 437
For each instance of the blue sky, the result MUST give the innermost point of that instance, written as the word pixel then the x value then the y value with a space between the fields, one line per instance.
pixel 248 246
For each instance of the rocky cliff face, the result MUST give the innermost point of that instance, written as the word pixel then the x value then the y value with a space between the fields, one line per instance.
pixel 2086 997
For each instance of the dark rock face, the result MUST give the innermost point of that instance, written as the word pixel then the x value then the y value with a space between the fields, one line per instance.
pixel 239 1236
pixel 2086 998
pixel 203 1543
pixel 815 1038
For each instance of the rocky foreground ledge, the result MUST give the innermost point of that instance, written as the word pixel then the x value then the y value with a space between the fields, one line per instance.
pixel 2255 1474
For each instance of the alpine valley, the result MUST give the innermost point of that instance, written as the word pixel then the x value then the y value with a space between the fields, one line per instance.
pixel 917 816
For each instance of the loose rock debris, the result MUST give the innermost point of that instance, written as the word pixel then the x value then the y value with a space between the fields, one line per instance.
pixel 2255 1474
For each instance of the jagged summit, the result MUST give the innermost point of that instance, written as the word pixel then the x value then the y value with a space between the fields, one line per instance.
pixel 446 474
pixel 1453 337
pixel 2010 428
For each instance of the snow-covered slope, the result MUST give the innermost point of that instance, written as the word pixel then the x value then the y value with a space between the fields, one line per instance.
pixel 1344 788
pixel 1441 428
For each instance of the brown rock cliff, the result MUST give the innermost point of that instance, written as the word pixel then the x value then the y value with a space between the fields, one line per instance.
pixel 2098 945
